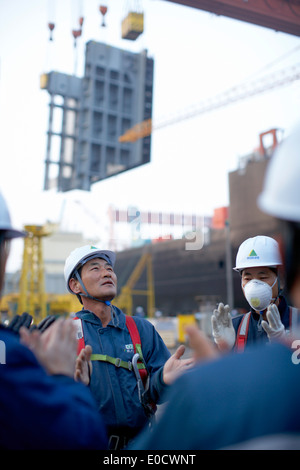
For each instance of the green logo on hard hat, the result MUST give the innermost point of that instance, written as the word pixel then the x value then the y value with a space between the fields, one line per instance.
pixel 94 248
pixel 252 255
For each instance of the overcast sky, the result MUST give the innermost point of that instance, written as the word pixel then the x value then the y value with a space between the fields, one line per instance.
pixel 197 56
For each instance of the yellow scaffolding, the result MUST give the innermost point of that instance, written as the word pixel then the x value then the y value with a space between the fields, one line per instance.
pixel 62 304
pixel 32 297
pixel 125 300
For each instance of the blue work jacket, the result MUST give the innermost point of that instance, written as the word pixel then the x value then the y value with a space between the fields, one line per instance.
pixel 115 388
pixel 256 333
pixel 39 411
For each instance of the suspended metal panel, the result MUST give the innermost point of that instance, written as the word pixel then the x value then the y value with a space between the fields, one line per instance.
pixel 87 115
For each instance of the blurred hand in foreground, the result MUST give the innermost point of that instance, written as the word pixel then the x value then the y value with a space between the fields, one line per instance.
pixel 55 348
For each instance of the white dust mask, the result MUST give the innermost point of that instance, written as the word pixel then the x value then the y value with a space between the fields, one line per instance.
pixel 258 294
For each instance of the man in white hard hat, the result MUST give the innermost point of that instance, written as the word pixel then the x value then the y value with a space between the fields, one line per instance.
pixel 258 261
pixel 126 407
pixel 245 401
pixel 42 407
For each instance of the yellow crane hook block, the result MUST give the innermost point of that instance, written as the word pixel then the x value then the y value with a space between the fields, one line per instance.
pixel 132 25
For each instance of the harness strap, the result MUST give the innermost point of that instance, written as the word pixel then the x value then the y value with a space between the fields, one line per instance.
pixel 150 408
pixel 140 365
pixel 136 340
pixel 116 361
pixel 80 338
pixel 242 333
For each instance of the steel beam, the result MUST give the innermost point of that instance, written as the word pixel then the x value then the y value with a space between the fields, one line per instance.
pixel 280 15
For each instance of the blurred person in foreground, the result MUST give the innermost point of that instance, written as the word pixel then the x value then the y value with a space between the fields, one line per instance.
pixel 249 400
pixel 41 405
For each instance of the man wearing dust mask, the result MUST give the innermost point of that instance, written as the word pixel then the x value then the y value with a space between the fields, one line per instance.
pixel 270 317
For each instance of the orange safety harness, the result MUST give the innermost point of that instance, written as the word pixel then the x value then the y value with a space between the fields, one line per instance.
pixel 242 334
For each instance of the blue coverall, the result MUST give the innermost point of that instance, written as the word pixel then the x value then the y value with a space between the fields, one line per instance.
pixel 115 388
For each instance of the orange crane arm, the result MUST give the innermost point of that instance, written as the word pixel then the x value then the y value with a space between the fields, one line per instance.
pixel 140 130
pixel 233 95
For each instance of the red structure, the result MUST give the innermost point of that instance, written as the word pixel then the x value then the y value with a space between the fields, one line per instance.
pixel 280 15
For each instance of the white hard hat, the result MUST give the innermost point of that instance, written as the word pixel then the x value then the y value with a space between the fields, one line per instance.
pixel 258 251
pixel 81 255
pixel 5 222
pixel 281 193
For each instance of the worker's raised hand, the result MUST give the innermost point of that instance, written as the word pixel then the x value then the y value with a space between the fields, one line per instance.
pixel 83 367
pixel 273 327
pixel 55 348
pixel 175 366
pixel 222 327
